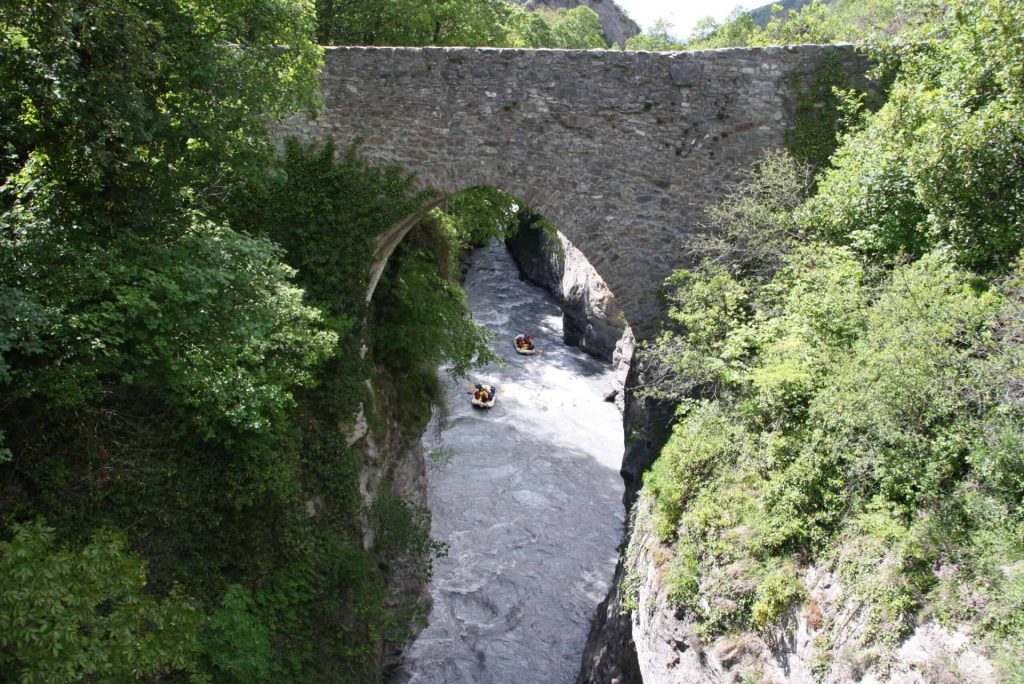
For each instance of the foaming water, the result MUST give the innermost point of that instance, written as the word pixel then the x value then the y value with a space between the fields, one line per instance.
pixel 529 502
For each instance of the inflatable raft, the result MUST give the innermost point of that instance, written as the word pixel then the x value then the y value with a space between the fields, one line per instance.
pixel 524 349
pixel 492 393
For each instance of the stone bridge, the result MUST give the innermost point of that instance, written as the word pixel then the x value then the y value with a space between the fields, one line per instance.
pixel 622 151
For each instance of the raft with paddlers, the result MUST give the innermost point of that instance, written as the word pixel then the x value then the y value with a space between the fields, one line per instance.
pixel 484 395
pixel 524 344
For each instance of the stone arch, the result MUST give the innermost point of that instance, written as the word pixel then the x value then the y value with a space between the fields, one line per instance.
pixel 623 151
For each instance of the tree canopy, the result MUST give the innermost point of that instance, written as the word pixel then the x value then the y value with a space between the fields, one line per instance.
pixel 470 23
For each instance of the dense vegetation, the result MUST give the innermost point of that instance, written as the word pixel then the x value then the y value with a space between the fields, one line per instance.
pixel 472 23
pixel 182 311
pixel 847 362
pixel 873 22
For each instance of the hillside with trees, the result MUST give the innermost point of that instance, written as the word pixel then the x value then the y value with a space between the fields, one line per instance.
pixel 847 365
pixel 468 23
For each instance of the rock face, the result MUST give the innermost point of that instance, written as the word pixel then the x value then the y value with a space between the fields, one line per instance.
pixel 591 318
pixel 610 654
pixel 668 650
pixel 618 27
pixel 394 465
pixel 647 425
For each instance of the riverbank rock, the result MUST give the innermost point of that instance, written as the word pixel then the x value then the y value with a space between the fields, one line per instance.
pixel 591 319
pixel 394 465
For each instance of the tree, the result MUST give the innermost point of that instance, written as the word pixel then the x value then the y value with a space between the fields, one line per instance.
pixel 67 615
pixel 702 29
pixel 656 39
pixel 121 113
pixel 411 22
pixel 939 164
pixel 529 29
pixel 753 229
pixel 472 23
pixel 864 21
pixel 578 29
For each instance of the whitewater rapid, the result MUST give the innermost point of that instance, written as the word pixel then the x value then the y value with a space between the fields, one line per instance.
pixel 526 495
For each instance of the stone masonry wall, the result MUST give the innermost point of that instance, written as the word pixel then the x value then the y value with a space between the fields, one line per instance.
pixel 622 151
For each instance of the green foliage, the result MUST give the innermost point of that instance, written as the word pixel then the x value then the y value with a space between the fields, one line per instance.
pixel 846 396
pixel 856 21
pixel 528 29
pixel 180 353
pixel 700 353
pixel 779 590
pixel 655 39
pixel 578 28
pixel 683 577
pixel 897 411
pixel 154 315
pixel 134 111
pixel 937 165
pixel 737 30
pixel 805 320
pixel 752 233
pixel 421 319
pixel 885 565
pixel 479 214
pixel 237 641
pixel 868 199
pixel 403 530
pixel 326 212
pixel 67 614
pixel 752 229
pixel 472 23
pixel 701 445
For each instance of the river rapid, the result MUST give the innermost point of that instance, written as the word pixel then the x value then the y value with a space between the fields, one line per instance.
pixel 527 496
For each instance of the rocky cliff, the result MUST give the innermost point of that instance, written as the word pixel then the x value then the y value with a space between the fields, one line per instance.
pixel 616 23
pixel 666 647
pixel 591 318
pixel 610 655
pixel 638 635
pixel 394 467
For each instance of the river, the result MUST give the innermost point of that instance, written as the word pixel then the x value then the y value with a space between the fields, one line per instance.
pixel 527 496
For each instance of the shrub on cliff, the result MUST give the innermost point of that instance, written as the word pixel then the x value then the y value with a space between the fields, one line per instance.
pixel 859 405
